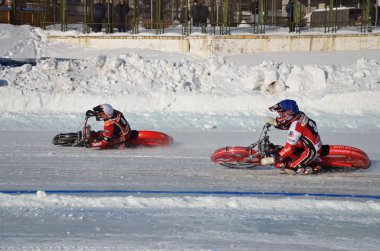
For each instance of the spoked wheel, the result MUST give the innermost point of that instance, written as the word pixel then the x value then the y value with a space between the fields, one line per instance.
pixel 237 157
pixel 238 165
pixel 68 139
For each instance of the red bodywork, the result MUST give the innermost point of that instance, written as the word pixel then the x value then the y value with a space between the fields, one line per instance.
pixel 137 138
pixel 335 156
pixel 346 156
pixel 150 138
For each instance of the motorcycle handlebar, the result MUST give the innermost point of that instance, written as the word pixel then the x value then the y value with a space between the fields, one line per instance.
pixel 90 113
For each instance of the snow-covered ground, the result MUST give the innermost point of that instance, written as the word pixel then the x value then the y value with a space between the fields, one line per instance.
pixel 174 198
pixel 173 207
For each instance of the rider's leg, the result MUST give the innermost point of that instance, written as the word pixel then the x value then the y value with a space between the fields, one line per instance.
pixel 301 164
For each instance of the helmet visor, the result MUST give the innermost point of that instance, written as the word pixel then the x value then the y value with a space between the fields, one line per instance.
pixel 276 108
pixel 283 114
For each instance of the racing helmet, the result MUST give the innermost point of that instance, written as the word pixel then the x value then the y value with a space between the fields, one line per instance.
pixel 103 112
pixel 288 112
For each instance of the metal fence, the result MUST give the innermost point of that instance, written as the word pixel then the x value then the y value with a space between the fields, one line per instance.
pixel 186 17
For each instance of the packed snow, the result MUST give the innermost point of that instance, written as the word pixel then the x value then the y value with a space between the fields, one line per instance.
pixel 204 104
pixel 183 86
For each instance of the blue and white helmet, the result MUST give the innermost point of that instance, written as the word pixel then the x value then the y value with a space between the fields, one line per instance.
pixel 287 110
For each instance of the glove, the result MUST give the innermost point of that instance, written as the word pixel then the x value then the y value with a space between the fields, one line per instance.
pixel 271 160
pixel 90 113
pixel 271 121
pixel 268 161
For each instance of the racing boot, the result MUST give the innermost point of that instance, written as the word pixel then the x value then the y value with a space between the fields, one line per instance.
pixel 305 170
pixel 309 170
pixel 285 169
pixel 291 171
pixel 317 169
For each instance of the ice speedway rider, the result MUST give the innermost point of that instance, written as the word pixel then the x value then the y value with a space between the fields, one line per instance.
pixel 116 128
pixel 303 143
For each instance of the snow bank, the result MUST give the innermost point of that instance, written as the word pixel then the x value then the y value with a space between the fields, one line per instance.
pixel 42 200
pixel 137 84
pixel 141 84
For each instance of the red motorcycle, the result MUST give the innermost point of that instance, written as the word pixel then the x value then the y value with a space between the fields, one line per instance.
pixel 332 156
pixel 138 138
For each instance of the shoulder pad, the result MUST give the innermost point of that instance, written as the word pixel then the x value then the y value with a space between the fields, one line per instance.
pixel 303 119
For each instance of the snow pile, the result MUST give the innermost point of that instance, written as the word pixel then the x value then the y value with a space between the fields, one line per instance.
pixel 141 84
pixel 42 200
pixel 137 84
pixel 20 41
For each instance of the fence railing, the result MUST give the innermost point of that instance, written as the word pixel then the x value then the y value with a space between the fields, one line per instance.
pixel 184 17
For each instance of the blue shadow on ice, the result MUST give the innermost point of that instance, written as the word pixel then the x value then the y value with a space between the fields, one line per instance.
pixel 222 193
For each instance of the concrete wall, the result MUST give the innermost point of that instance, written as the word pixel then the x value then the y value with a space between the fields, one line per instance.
pixel 161 43
pixel 206 46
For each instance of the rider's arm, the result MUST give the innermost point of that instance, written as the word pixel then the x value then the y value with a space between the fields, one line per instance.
pixel 107 136
pixel 294 135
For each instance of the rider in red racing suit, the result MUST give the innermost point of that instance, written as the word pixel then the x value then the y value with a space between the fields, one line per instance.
pixel 303 144
pixel 116 128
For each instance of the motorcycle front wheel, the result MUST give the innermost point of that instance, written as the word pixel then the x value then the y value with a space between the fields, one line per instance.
pixel 68 139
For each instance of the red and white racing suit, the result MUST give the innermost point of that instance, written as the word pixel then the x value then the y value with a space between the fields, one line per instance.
pixel 116 131
pixel 303 135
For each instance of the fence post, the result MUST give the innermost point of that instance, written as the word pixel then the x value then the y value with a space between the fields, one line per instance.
pixel 109 9
pixel 376 12
pixel 135 23
pixel 63 16
pixel 13 14
pixel 240 15
pixel 366 24
pixel 185 14
pixel 332 24
pixel 84 27
pixel 54 11
pixel 43 12
pixel 214 15
pixel 330 19
pixel 159 17
pixel 297 16
pixel 259 27
pixel 225 27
